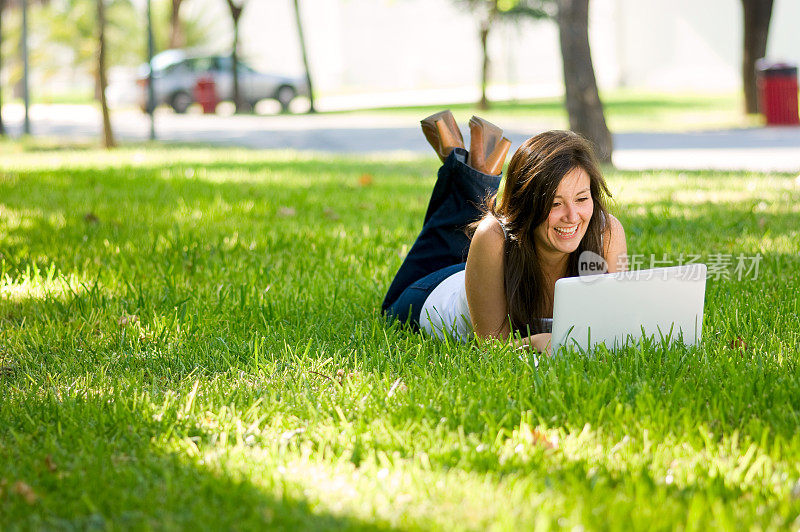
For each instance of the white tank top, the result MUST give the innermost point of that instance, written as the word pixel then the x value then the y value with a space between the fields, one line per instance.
pixel 446 312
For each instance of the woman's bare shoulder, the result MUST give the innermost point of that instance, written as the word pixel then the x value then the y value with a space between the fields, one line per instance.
pixel 489 233
pixel 613 227
pixel 616 248
pixel 485 257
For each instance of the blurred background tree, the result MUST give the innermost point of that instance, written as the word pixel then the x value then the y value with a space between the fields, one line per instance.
pixel 757 15
pixel 71 33
pixel 176 37
pixel 583 103
pixel 488 13
pixel 301 37
pixel 236 10
pixel 2 126
pixel 102 82
pixel 63 36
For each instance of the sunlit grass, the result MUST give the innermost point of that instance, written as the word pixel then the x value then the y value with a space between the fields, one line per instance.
pixel 190 338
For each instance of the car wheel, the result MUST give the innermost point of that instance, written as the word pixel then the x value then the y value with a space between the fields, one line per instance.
pixel 181 101
pixel 285 95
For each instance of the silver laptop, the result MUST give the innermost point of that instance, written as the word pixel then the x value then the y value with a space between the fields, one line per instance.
pixel 616 309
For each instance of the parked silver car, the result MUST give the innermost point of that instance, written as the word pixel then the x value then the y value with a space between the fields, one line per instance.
pixel 175 74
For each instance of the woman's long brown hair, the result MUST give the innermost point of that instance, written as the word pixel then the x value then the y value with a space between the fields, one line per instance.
pixel 534 173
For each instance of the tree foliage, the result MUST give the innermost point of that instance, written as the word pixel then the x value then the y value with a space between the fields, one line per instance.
pixel 63 34
pixel 488 12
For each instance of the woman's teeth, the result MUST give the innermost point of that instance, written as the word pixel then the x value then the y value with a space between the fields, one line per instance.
pixel 566 231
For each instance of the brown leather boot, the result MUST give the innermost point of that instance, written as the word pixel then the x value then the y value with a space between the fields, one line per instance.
pixel 488 135
pixel 476 157
pixel 443 138
pixel 495 161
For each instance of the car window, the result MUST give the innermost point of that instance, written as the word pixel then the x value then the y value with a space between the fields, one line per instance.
pixel 175 67
pixel 203 64
pixel 224 64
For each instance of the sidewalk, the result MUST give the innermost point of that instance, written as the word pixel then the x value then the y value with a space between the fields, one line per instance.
pixel 757 149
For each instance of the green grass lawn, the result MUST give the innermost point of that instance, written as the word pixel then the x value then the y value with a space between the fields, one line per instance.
pixel 190 338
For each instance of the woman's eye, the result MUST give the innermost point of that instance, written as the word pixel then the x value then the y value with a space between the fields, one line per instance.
pixel 556 205
pixel 582 199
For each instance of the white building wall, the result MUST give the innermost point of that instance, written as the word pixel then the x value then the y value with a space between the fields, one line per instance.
pixel 784 35
pixel 403 45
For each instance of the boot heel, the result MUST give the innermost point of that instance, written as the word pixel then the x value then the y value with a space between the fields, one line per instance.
pixel 447 140
pixel 476 158
pixel 452 138
pixel 495 161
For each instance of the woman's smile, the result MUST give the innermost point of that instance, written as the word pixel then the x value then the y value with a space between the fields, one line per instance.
pixel 567 232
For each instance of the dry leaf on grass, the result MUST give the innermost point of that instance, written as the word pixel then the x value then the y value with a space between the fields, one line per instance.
pixel 90 218
pixel 330 213
pixel 398 385
pixel 25 491
pixel 365 180
pixel 538 437
pixel 738 343
pixel 127 319
pixel 50 464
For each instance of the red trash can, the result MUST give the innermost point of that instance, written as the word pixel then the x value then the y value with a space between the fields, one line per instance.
pixel 777 92
pixel 205 93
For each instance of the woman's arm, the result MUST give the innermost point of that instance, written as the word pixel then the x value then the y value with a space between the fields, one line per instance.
pixel 486 289
pixel 484 281
pixel 615 250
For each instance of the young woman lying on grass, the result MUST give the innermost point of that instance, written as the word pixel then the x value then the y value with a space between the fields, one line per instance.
pixel 500 283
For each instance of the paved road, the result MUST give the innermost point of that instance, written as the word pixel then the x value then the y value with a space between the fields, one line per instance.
pixel 764 149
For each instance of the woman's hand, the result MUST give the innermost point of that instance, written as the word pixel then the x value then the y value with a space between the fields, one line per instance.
pixel 539 342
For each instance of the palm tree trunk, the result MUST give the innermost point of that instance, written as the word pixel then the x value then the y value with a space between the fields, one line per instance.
pixel 582 98
pixel 108 134
pixel 311 108
pixel 757 15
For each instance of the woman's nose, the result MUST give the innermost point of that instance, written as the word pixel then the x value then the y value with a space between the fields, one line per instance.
pixel 571 214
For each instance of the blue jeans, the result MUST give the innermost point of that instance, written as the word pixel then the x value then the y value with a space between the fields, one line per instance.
pixel 441 247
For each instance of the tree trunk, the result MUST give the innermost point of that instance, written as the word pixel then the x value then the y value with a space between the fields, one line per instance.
pixel 237 92
pixel 483 103
pixel 311 108
pixel 236 13
pixel 2 126
pixel 582 99
pixel 757 15
pixel 176 37
pixel 108 134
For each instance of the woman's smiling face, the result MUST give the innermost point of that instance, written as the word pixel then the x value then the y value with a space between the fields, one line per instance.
pixel 569 215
